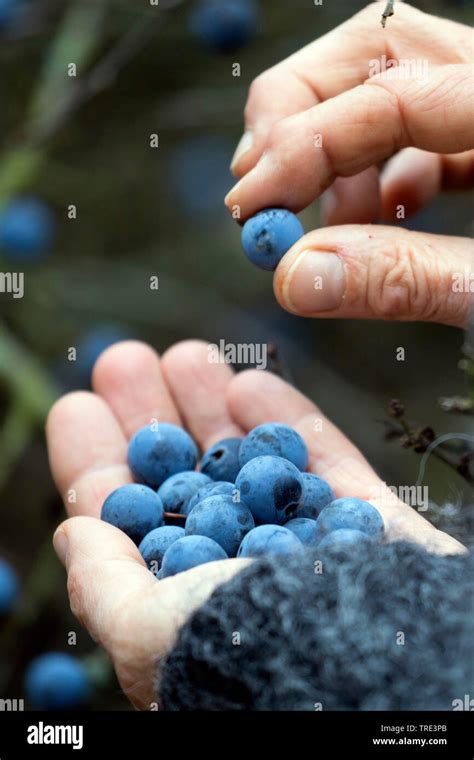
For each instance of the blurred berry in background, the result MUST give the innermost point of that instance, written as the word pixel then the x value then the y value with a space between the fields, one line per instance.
pixel 199 175
pixel 57 681
pixel 8 10
pixel 27 229
pixel 225 26
pixel 9 587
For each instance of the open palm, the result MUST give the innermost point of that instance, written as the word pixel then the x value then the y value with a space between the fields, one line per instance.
pixel 125 609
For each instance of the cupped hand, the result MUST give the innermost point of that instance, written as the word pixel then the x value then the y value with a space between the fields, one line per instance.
pixel 323 120
pixel 127 611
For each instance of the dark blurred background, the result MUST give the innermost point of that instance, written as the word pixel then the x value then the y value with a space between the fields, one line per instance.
pixel 144 212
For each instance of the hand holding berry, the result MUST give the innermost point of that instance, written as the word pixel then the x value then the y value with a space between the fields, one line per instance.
pixel 319 122
pixel 126 609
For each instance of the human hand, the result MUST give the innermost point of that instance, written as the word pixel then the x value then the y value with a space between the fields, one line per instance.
pixel 135 617
pixel 319 122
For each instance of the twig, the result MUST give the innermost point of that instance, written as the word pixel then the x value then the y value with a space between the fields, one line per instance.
pixel 103 74
pixel 422 440
pixel 389 11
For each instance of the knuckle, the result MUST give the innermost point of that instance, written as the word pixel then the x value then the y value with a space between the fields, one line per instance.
pixel 257 90
pixel 398 284
pixel 75 592
pixel 280 132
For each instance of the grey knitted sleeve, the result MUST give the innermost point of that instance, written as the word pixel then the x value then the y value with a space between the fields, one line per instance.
pixel 389 627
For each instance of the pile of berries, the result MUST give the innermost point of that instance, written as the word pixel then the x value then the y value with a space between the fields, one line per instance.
pixel 251 497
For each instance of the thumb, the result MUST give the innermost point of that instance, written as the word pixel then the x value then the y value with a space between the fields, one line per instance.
pixel 375 272
pixel 135 617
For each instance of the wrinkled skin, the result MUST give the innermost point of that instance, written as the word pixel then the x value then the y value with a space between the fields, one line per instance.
pixel 126 610
pixel 425 128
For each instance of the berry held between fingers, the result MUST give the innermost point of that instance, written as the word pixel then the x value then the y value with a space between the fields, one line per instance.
pixel 160 450
pixel 135 509
pixel 268 235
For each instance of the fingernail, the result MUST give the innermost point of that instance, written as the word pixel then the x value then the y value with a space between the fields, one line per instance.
pixel 315 282
pixel 230 194
pixel 244 145
pixel 60 543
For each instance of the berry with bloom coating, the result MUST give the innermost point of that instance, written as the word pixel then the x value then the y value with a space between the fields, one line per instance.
pixel 135 509
pixel 177 490
pixel 189 552
pixel 155 544
pixel 271 487
pixel 219 518
pixel 270 539
pixel 221 461
pixel 351 514
pixel 212 489
pixel 274 439
pixel 344 541
pixel 268 235
pixel 304 529
pixel 160 450
pixel 317 494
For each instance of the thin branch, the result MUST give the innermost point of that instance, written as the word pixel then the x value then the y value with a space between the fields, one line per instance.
pixel 389 11
pixel 459 461
pixel 106 71
pixel 103 74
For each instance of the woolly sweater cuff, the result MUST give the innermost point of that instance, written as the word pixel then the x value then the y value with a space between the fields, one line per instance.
pixel 389 627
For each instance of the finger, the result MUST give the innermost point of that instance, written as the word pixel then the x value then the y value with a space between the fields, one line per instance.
pixel 198 387
pixel 410 180
pixel 413 178
pixel 458 171
pixel 378 273
pixel 87 452
pixel 256 397
pixel 345 135
pixel 339 61
pixel 125 609
pixel 352 200
pixel 128 376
